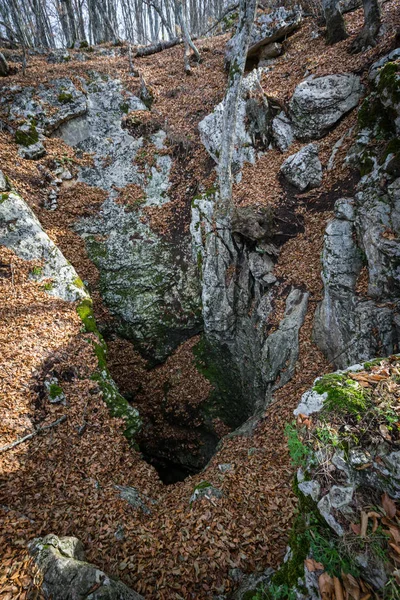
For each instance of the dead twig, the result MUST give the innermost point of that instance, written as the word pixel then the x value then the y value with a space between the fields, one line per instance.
pixel 31 435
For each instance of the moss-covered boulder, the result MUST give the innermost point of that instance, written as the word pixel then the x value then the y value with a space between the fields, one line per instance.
pixel 345 445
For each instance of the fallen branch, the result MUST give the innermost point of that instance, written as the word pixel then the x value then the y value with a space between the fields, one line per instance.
pixel 159 47
pixel 31 435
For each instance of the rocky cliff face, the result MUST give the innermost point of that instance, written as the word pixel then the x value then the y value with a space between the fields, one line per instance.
pixel 356 322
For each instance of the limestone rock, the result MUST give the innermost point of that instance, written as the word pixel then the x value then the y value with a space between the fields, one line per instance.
pixel 311 402
pixel 375 68
pixel 21 231
pixel 148 283
pixel 66 575
pixel 344 322
pixel 32 152
pixel 59 57
pixel 133 497
pixel 250 123
pixel 281 349
pixel 49 106
pixel 303 169
pixel 282 131
pixel 267 28
pixel 318 104
pixel 250 584
pixel 205 490
pixel 4 185
pixel 252 224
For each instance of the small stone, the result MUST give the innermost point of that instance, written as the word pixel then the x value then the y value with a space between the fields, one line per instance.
pixel 311 402
pixel 341 496
pixel 208 492
pixel 225 467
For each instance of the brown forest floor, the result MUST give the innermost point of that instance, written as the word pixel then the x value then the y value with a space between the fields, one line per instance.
pixel 63 482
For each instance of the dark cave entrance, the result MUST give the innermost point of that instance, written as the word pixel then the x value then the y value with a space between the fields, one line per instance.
pixel 181 430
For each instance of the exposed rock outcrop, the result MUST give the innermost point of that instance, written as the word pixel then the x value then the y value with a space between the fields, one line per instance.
pixel 67 575
pixel 252 124
pixel 318 104
pixel 268 28
pixel 21 231
pixel 351 323
pixel 32 104
pixel 282 131
pixel 343 463
pixel 150 284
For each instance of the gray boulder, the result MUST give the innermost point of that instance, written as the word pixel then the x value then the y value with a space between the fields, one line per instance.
pixel 318 104
pixel 67 576
pixel 303 169
pixel 282 131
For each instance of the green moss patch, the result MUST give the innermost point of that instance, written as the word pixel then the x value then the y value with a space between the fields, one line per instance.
pixel 27 136
pixel 65 97
pixel 117 405
pixel 389 81
pixel 344 395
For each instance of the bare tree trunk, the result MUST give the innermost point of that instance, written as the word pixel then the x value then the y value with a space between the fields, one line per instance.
pixel 246 18
pixel 186 37
pixel 335 25
pixel 372 25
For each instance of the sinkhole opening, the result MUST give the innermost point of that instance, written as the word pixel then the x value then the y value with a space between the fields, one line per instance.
pixel 187 405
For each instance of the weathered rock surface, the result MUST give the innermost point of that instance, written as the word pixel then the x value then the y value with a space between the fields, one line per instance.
pixel 252 124
pixel 271 51
pixel 267 28
pixel 303 169
pixel 349 328
pixel 4 185
pixel 33 151
pixel 282 131
pixel 30 103
pixel 318 104
pixel 67 576
pixel 99 130
pixel 149 284
pixel 353 324
pixel 21 231
pixel 281 349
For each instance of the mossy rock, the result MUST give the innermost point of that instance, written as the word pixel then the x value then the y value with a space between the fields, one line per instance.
pixel 389 81
pixel 117 405
pixel 27 135
pixel 65 97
